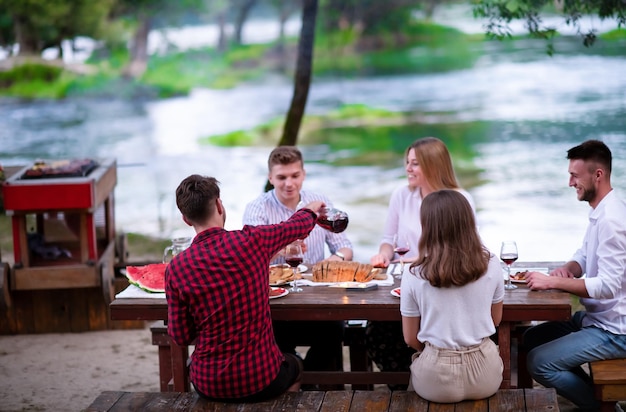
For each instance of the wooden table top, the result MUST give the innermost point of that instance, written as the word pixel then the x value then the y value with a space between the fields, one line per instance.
pixel 324 303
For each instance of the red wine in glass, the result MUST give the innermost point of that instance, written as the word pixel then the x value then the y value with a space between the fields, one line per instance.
pixel 294 262
pixel 294 257
pixel 401 250
pixel 509 260
pixel 508 254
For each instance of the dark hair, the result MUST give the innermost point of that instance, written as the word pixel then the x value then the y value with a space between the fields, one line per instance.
pixel 195 197
pixel 450 250
pixel 284 155
pixel 592 151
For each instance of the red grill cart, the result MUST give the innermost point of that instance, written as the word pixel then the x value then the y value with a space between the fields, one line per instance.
pixel 73 215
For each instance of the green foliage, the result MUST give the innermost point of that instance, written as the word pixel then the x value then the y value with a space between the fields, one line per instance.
pixel 617 34
pixel 501 12
pixel 236 138
pixel 423 47
pixel 32 80
pixel 360 111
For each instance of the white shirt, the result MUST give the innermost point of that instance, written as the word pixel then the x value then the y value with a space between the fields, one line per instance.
pixel 403 217
pixel 454 317
pixel 267 209
pixel 603 260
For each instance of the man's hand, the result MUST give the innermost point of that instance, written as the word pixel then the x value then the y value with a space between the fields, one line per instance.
pixel 538 281
pixel 562 272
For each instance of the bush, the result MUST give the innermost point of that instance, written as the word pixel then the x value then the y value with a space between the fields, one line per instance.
pixel 30 72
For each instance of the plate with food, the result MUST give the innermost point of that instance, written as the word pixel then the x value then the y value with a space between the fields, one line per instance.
pixel 278 292
pixel 281 274
pixel 518 275
pixel 395 292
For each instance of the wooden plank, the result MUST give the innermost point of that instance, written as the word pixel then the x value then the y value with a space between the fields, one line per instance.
pixel 540 399
pixel 78 302
pixel 336 401
pixel 298 401
pixel 57 277
pixel 105 401
pixel 403 401
pixel 133 401
pixel 51 311
pixel 158 401
pixel 507 400
pixel 608 392
pixel 478 405
pixel 370 401
pixel 609 371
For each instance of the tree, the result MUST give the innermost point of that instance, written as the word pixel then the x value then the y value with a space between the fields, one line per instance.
pixel 302 77
pixel 143 12
pixel 242 9
pixel 39 24
pixel 500 13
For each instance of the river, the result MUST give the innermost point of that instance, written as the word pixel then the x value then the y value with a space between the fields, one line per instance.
pixel 533 108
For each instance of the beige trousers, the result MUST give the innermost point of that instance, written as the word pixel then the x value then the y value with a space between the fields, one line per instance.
pixel 447 376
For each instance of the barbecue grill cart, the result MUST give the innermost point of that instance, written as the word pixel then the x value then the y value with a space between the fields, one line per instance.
pixel 63 230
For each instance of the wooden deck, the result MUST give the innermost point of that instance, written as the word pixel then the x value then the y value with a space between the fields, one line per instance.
pixel 505 400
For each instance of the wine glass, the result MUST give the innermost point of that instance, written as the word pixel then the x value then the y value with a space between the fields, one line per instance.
pixel 401 247
pixel 294 257
pixel 508 254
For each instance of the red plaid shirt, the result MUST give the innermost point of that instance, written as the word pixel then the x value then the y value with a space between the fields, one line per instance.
pixel 217 293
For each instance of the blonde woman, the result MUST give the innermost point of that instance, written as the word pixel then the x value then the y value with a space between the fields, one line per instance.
pixel 428 168
pixel 451 304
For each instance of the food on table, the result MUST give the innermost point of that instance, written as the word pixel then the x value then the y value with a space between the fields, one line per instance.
pixel 331 271
pixel 519 275
pixel 150 278
pixel 276 291
pixel 280 274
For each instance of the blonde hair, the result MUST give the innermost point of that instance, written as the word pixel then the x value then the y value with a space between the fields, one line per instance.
pixel 435 162
pixel 450 250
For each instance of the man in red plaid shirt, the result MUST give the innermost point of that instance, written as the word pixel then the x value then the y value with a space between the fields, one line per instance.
pixel 217 293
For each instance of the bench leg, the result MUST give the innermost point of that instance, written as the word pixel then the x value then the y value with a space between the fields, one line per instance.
pixel 354 338
pixel 165 367
pixel 180 371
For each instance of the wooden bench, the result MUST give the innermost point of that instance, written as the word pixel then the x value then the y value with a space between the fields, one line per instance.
pixel 174 374
pixel 609 381
pixel 511 400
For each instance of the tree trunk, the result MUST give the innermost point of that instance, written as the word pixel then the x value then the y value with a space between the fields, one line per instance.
pixel 139 48
pixel 26 38
pixel 221 39
pixel 242 15
pixel 302 81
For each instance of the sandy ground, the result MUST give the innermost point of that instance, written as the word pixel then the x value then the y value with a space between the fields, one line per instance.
pixel 66 372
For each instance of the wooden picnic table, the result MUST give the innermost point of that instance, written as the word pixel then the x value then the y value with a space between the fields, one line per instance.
pixel 317 303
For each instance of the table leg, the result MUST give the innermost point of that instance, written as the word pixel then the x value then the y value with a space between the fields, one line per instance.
pixel 504 343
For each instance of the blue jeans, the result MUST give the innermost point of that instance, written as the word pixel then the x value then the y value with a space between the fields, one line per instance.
pixel 558 349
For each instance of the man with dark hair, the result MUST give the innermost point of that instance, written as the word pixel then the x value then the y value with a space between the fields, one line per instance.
pixel 218 294
pixel 287 174
pixel 597 274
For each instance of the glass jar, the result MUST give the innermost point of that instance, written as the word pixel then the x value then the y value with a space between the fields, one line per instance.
pixel 178 245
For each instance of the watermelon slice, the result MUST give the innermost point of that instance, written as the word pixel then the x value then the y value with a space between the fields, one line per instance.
pixel 150 278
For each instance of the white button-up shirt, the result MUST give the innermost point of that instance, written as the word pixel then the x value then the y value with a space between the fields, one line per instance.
pixel 267 209
pixel 603 260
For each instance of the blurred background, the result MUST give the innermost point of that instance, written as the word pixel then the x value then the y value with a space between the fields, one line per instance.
pixel 198 86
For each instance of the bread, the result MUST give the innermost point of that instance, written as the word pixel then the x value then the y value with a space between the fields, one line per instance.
pixel 343 272
pixel 280 274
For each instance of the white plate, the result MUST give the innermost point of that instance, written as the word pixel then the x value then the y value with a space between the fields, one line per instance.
pixel 302 268
pixel 514 270
pixel 395 292
pixel 284 292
